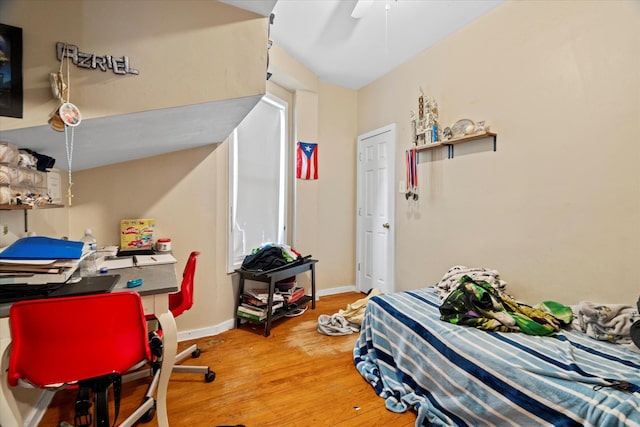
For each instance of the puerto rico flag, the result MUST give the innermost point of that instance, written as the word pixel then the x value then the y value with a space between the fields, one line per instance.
pixel 307 161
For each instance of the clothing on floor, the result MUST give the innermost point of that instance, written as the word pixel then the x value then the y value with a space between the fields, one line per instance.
pixel 346 321
pixel 354 312
pixel 335 325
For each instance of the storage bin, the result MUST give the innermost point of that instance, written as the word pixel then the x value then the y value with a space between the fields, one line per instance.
pixel 40 180
pixel 24 177
pixel 5 194
pixel 8 174
pixel 9 153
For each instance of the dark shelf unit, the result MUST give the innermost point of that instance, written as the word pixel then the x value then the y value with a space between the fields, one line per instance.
pixel 271 277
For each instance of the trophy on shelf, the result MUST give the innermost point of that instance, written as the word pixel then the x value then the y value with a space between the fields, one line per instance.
pixel 421 125
pixel 414 130
pixel 424 128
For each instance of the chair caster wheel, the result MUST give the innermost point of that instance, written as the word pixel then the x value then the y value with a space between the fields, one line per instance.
pixel 195 353
pixel 209 376
pixel 148 416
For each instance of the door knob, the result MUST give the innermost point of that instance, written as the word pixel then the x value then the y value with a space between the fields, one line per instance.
pixel 386 225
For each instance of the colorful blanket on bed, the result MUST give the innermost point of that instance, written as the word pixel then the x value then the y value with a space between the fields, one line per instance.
pixel 479 304
pixel 461 376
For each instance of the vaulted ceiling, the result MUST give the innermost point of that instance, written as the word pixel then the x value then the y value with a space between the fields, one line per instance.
pixel 351 43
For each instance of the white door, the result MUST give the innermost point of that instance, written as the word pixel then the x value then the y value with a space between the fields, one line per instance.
pixel 375 248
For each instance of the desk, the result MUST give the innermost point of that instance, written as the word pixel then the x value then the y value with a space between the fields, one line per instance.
pixel 273 276
pixel 159 280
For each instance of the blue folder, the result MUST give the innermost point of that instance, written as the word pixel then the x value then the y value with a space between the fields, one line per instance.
pixel 42 248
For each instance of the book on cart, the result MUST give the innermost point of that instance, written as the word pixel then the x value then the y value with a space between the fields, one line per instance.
pixel 249 299
pixel 293 295
pixel 250 316
pixel 261 295
pixel 253 312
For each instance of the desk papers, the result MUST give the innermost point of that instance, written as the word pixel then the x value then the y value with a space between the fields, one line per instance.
pixel 116 263
pixel 19 273
pixel 137 260
pixel 157 259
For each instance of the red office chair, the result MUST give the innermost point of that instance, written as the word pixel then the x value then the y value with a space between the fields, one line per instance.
pixel 84 341
pixel 179 302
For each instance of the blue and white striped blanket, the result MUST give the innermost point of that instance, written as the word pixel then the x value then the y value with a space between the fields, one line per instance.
pixel 457 375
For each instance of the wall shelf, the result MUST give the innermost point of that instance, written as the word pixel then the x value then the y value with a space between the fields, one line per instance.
pixel 466 138
pixel 430 146
pixel 451 142
pixel 27 208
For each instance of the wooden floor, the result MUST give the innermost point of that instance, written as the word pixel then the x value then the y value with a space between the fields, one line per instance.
pixel 296 377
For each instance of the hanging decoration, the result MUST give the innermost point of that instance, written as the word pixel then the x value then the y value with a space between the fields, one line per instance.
pixel 60 92
pixel 66 115
pixel 307 161
pixel 119 65
pixel 412 174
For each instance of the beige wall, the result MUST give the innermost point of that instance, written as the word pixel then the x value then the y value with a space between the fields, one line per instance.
pixel 556 209
pixel 336 207
pixel 187 52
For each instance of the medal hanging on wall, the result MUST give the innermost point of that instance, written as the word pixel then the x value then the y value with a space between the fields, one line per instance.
pixel 412 174
pixel 66 116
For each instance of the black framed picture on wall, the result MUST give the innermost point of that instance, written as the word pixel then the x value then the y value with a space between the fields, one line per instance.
pixel 10 71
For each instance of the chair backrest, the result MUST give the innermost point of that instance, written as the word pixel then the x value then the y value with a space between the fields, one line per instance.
pixel 62 340
pixel 183 300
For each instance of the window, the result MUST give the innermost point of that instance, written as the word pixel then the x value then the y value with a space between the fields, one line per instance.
pixel 257 178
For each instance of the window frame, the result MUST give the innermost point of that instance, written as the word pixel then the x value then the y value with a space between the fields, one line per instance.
pixel 234 261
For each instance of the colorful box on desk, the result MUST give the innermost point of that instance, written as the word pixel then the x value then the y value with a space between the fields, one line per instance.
pixel 136 234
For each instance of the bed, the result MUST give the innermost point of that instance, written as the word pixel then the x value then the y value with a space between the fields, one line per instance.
pixel 454 375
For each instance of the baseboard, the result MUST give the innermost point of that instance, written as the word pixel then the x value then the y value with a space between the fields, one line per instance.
pixel 333 291
pixel 231 323
pixel 207 332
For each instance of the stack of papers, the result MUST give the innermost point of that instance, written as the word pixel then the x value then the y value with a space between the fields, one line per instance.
pixel 40 260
